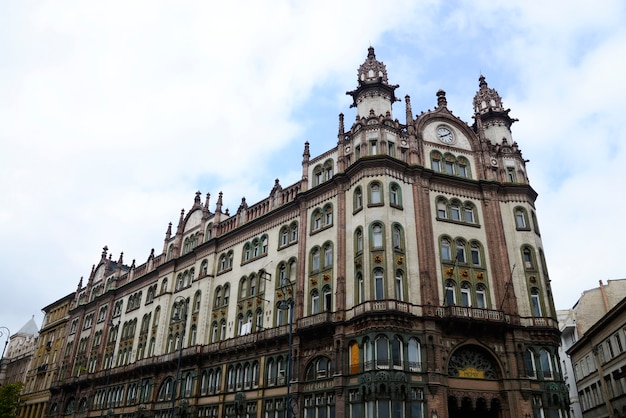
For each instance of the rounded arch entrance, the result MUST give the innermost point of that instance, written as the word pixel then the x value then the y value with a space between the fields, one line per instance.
pixel 475 383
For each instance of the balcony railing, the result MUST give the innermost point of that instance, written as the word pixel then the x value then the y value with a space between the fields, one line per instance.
pixel 472 313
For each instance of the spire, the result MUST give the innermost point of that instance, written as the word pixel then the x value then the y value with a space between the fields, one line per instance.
pixel 408 109
pixel 441 99
pixel 196 200
pixel 218 206
pixel 306 154
pixel 104 252
pixel 168 233
pixel 206 203
pixel 341 126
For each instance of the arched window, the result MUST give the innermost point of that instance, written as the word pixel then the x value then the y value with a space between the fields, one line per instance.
pixel 358 240
pixel 521 219
pixel 358 199
pixel 218 297
pixel 214 332
pixel 243 287
pixel 328 170
pixel 464 170
pixel 209 232
pixel 328 215
pixel 328 255
pixel 328 299
pixel 319 368
pixel 360 288
pixel 446 252
pixel 395 195
pixel 535 223
pixel 435 161
pixel 226 294
pixel 545 361
pixel 382 352
pixel 315 302
pixel 379 284
pixel 264 245
pixel 449 162
pixel 475 251
pixel 442 208
pixel 377 236
pixel 535 301
pixel 271 372
pixel 247 252
pixel 529 361
pixel 414 355
pixel 455 210
pixel 460 251
pixel 223 329
pixel 528 257
pixel 399 285
pixel 196 301
pixel 204 268
pixel 470 213
pixel 466 294
pixel 294 232
pixel 481 296
pixel 317 175
pixel 164 285
pixel 315 259
pixel 259 319
pixel 375 194
pixel 284 236
pixel 316 220
pixel 355 358
pixel 397 237
pixel 450 293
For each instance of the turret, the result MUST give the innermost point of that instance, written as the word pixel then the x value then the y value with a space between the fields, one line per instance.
pixel 491 117
pixel 374 91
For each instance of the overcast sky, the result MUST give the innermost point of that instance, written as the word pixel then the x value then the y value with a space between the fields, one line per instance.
pixel 113 114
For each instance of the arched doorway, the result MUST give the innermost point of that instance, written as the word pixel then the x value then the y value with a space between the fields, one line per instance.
pixel 475 384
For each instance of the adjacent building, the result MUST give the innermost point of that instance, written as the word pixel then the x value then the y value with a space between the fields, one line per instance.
pixel 402 276
pixel 19 353
pixel 599 363
pixel 44 366
pixel 592 307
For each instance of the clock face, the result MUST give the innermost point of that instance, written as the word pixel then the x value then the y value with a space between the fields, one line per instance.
pixel 445 135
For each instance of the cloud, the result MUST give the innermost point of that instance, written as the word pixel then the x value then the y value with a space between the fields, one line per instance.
pixel 113 115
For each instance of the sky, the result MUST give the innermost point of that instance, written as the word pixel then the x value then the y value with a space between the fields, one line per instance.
pixel 113 114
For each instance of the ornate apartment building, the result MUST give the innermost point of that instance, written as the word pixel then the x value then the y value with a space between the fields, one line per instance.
pixel 402 276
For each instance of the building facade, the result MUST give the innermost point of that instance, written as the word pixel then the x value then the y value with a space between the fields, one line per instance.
pixel 402 276
pixel 599 362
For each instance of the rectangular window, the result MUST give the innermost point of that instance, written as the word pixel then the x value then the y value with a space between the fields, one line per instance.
pixel 374 147
pixel 469 215
pixel 449 167
pixel 510 173
pixel 391 148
